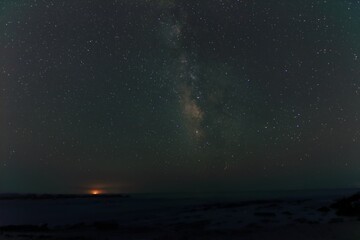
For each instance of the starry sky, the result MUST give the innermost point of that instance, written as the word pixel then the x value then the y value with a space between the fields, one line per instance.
pixel 177 95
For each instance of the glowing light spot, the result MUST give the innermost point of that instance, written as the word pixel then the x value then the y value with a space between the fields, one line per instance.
pixel 95 192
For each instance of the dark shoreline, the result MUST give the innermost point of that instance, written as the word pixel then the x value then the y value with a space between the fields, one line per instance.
pixel 60 196
pixel 301 217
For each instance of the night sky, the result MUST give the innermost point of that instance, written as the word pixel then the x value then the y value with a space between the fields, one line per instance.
pixel 178 95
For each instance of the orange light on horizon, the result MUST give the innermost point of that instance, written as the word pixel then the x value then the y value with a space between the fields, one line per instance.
pixel 95 192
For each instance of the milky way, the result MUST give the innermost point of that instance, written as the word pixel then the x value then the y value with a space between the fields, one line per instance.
pixel 179 95
pixel 185 76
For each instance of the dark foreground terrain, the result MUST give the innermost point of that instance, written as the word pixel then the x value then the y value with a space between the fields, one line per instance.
pixel 161 217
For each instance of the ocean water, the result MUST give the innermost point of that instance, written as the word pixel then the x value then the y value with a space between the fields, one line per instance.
pixel 252 195
pixel 139 206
